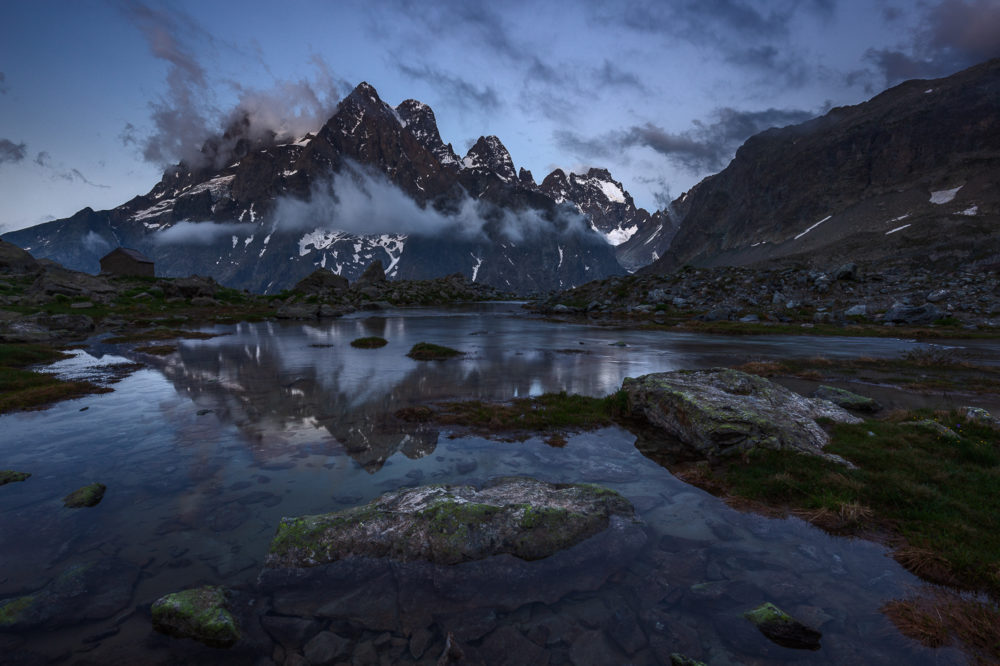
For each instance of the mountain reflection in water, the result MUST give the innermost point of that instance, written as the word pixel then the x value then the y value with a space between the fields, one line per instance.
pixel 205 452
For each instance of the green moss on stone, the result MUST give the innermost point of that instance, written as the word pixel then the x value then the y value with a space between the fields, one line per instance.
pixel 371 342
pixel 12 610
pixel 767 613
pixel 89 495
pixel 425 351
pixel 10 476
pixel 201 614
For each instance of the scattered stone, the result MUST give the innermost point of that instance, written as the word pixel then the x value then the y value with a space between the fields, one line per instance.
pixel 722 412
pixel 930 424
pixel 848 271
pixel 81 305
pixel 89 495
pixel 10 476
pixel 782 628
pixel 860 310
pixel 847 399
pixel 202 614
pixel 937 295
pixel 901 313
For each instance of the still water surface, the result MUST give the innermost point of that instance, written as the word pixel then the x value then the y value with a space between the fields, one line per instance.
pixel 205 450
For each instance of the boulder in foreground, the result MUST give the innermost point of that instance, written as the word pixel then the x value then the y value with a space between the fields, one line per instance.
pixel 723 412
pixel 523 517
pixel 202 614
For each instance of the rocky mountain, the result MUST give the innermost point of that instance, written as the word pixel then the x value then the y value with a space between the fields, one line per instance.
pixel 909 177
pixel 376 182
pixel 639 238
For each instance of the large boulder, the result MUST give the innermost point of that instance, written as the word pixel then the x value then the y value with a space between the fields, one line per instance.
pixel 202 614
pixel 56 280
pixel 523 517
pixel 323 282
pixel 901 313
pixel 414 554
pixel 14 260
pixel 723 412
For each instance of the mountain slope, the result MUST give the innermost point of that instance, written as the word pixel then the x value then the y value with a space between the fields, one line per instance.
pixel 909 176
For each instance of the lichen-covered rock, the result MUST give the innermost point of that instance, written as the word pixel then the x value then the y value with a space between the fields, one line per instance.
pixel 523 517
pixel 722 412
pixel 10 476
pixel 847 399
pixel 89 495
pixel 202 614
pixel 782 628
pixel 678 659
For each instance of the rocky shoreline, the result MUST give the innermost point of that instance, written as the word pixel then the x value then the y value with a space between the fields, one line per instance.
pixel 842 295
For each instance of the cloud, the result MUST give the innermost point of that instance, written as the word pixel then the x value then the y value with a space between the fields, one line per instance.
pixel 361 201
pixel 705 148
pixel 188 125
pixel 3 83
pixel 44 160
pixel 200 233
pixel 950 35
pixel 459 91
pixel 12 152
pixel 611 75
pixel 95 243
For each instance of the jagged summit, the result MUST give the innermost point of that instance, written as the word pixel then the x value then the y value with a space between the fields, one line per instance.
pixel 419 119
pixel 491 155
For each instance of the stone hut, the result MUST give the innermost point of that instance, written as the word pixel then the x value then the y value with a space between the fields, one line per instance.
pixel 125 261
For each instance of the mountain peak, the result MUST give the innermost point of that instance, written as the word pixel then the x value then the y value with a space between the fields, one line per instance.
pixel 419 119
pixel 490 154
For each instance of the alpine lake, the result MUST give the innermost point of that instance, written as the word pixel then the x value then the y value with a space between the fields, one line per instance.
pixel 204 451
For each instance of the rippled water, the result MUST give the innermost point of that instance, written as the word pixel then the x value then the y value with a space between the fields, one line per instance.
pixel 205 450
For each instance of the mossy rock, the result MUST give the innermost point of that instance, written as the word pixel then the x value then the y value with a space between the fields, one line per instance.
pixel 13 612
pixel 371 342
pixel 847 399
pixel 10 476
pixel 425 351
pixel 523 517
pixel 90 495
pixel 678 659
pixel 202 614
pixel 783 629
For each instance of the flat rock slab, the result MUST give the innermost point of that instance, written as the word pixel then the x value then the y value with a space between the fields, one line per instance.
pixel 416 554
pixel 723 412
pixel 523 517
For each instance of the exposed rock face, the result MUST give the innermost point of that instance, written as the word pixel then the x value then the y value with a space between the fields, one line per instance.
pixel 905 177
pixel 639 238
pixel 373 275
pixel 723 412
pixel 517 238
pixel 202 614
pixel 522 517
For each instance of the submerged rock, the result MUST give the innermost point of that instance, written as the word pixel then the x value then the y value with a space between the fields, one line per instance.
pixel 202 614
pixel 522 517
pixel 88 591
pixel 782 628
pixel 847 399
pixel 90 495
pixel 722 412
pixel 10 476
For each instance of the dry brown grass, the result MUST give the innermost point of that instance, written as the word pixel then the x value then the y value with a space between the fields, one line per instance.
pixel 925 563
pixel 941 617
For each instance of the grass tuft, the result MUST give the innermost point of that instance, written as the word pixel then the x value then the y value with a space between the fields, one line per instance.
pixel 371 342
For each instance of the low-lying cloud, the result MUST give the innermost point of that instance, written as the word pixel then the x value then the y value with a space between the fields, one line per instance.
pixel 364 202
pixel 95 243
pixel 200 233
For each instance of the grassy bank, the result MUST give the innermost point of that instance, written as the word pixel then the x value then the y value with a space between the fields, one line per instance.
pixel 21 388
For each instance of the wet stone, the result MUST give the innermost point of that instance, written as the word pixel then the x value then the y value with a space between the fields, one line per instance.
pixel 290 632
pixel 327 648
pixel 508 647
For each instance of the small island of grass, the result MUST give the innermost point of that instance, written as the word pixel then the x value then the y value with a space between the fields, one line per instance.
pixel 371 342
pixel 425 351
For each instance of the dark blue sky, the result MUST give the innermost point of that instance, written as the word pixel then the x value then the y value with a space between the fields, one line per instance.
pixel 97 96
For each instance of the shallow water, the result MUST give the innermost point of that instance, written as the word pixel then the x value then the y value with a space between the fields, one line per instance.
pixel 205 450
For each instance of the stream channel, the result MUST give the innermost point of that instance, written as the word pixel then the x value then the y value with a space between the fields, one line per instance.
pixel 203 451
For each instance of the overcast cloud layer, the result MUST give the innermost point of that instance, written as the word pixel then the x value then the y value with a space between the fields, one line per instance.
pixel 97 97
